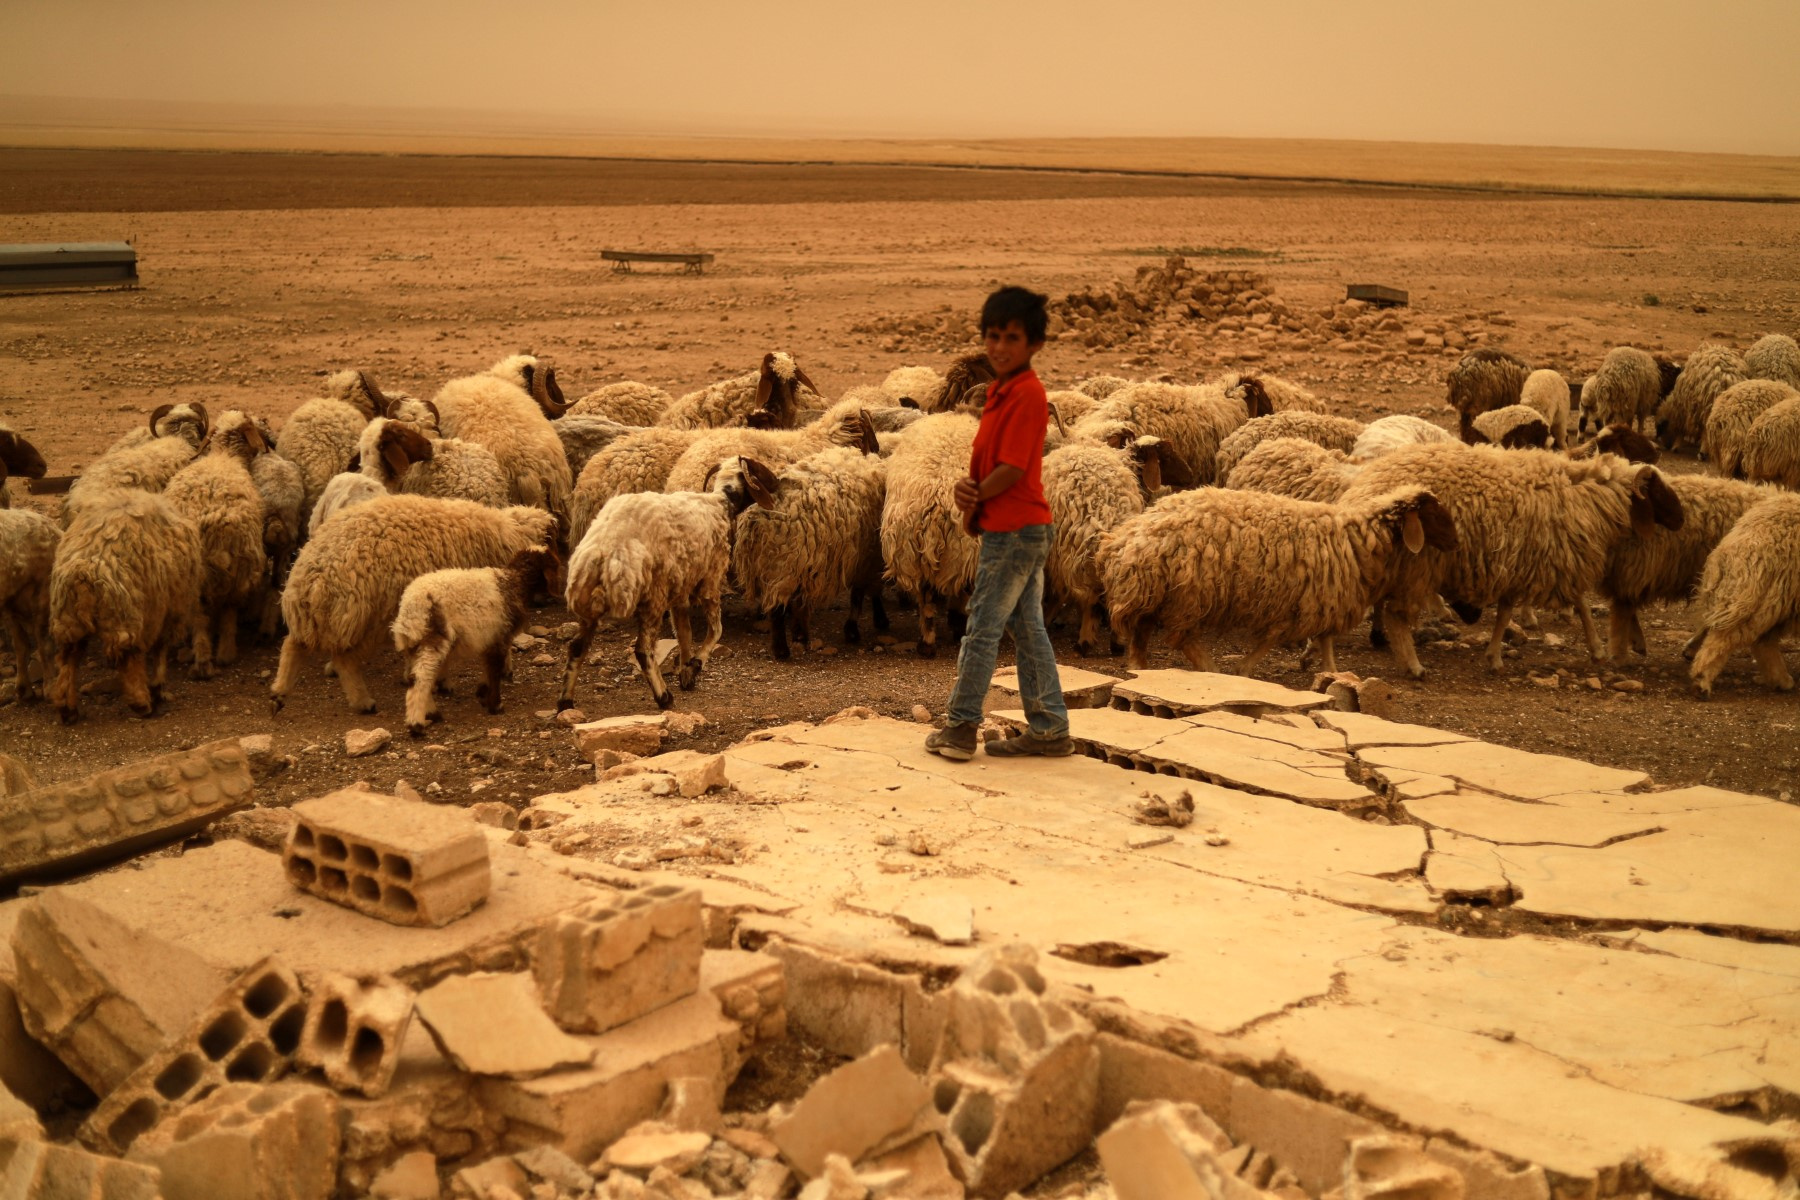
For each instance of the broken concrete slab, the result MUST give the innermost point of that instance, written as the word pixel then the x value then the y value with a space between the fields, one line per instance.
pixel 644 1149
pixel 1385 1166
pixel 18 1120
pixel 101 995
pixel 248 1142
pixel 1360 730
pixel 406 862
pixel 429 1108
pixel 1182 693
pixel 31 1169
pixel 1258 765
pixel 1767 958
pixel 1080 688
pixel 1675 800
pixel 62 827
pixel 853 1111
pixel 1465 870
pixel 1399 785
pixel 1497 819
pixel 612 961
pixel 1167 1151
pixel 491 1024
pixel 1307 737
pixel 411 1177
pixel 635 734
pixel 752 990
pixel 495 1178
pixel 247 1035
pixel 1109 730
pixel 27 1069
pixel 946 918
pixel 1503 771
pixel 355 1029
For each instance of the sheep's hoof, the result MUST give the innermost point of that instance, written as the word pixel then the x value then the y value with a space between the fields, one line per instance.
pixel 276 704
pixel 417 731
pixel 367 708
pixel 143 710
pixel 781 653
pixel 198 672
pixel 665 700
pixel 688 676
pixel 434 715
pixel 68 716
pixel 565 703
pixel 852 634
pixel 927 650
pixel 1087 649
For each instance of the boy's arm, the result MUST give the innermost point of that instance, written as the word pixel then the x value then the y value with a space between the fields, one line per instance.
pixel 970 491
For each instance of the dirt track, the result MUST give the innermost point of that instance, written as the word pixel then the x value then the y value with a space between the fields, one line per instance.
pixel 261 272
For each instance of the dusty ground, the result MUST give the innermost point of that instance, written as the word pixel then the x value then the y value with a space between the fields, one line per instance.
pixel 262 272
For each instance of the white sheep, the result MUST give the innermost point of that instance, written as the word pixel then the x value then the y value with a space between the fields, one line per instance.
pixel 1514 427
pixel 187 421
pixel 1387 434
pixel 845 423
pixel 343 491
pixel 1734 411
pixel 459 616
pixel 928 555
pixel 1749 595
pixel 1482 380
pixel 917 387
pixel 1191 422
pixel 638 462
pixel 320 436
pixel 217 494
pixel 1334 433
pixel 1771 446
pixel 504 409
pixel 283 491
pixel 345 586
pixel 649 556
pixel 1535 528
pixel 1282 395
pixel 1200 563
pixel 128 572
pixel 1295 468
pixel 1626 389
pixel 627 403
pixel 1774 356
pixel 1709 371
pixel 1547 392
pixel 28 542
pixel 144 464
pixel 1091 489
pixel 585 436
pixel 769 397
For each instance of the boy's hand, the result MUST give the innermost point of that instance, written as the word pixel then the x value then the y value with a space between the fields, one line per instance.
pixel 967 495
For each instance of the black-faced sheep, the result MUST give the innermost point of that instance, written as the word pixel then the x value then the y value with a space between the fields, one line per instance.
pixel 1708 373
pixel 217 494
pixel 1750 594
pixel 1283 395
pixel 1515 427
pixel 17 457
pixel 1483 380
pixel 769 397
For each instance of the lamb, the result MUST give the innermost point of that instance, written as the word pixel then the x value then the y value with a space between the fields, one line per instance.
pixel 504 409
pixel 127 572
pixel 17 457
pixel 769 397
pixel 1709 372
pixel 461 615
pixel 283 492
pixel 1484 379
pixel 28 542
pixel 1515 427
pixel 1771 447
pixel 1774 356
pixel 809 534
pixel 650 556
pixel 928 555
pixel 320 437
pixel 1333 433
pixel 1547 392
pixel 345 586
pixel 1295 468
pixel 1750 595
pixel 1192 422
pixel 1535 528
pixel 1199 563
pixel 1387 434
pixel 843 424
pixel 1733 413
pixel 1091 490
pixel 1625 390
pixel 1665 564
pixel 626 403
pixel 1283 396
pixel 217 494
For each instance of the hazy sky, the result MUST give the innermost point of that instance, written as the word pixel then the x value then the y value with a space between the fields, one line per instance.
pixel 1665 74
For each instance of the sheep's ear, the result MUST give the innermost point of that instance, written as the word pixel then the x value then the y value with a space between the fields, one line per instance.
pixel 865 433
pixel 205 420
pixel 1478 438
pixel 1665 505
pixel 1175 471
pixel 803 377
pixel 1256 397
pixel 1412 531
pixel 1148 452
pixel 402 446
pixel 908 402
pixel 762 483
pixel 254 439
pixel 1440 528
pixel 765 383
pixel 19 457
pixel 158 413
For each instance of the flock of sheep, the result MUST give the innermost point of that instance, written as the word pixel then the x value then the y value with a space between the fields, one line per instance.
pixel 1235 505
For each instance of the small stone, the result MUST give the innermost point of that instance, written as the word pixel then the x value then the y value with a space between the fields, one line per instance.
pixel 259 752
pixel 1217 839
pixel 652 1145
pixel 543 660
pixel 434 788
pixel 606 760
pixel 567 630
pixel 361 742
pixel 1545 681
pixel 411 1177
pixel 538 631
pixel 552 1165
pixel 1145 841
pixel 634 859
pixel 1628 685
pixel 524 641
pixel 407 791
pixel 1374 697
pixel 494 731
pixel 571 716
pixel 1553 641
pixel 492 812
pixel 661 785
pixel 921 845
pixel 921 714
pixel 1594 684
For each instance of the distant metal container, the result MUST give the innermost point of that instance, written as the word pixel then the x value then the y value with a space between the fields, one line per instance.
pixel 1378 294
pixel 67 263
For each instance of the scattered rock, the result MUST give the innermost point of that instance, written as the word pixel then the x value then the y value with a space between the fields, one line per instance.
pixel 571 716
pixel 1628 685
pixel 1178 812
pixel 949 918
pixel 1145 841
pixel 856 712
pixel 492 812
pixel 411 1177
pixel 359 743
pixel 652 1145
pixel 921 714
pixel 634 859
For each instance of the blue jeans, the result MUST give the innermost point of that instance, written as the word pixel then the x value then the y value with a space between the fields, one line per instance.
pixel 1009 597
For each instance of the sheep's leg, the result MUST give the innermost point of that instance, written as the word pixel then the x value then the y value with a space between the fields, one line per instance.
pixel 645 653
pixel 684 649
pixel 269 622
pixel 225 651
pixel 714 611
pixel 426 660
pixel 1137 654
pixel 1710 658
pixel 493 666
pixel 1193 647
pixel 1692 645
pixel 1622 632
pixel 286 672
pixel 1528 618
pixel 159 674
pixel 778 633
pixel 958 617
pixel 926 601
pixel 1087 642
pixel 1589 629
pixel 350 678
pixel 1770 668
pixel 1398 630
pixel 1249 661
pixel 1502 618
pixel 1328 647
pixel 22 652
pixel 878 610
pixel 852 633
pixel 578 648
pixel 134 683
pixel 203 649
pixel 63 691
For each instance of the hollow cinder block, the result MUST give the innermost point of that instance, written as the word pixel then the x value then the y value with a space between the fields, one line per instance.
pixel 612 961
pixel 403 861
pixel 354 1030
pixel 249 1142
pixel 248 1035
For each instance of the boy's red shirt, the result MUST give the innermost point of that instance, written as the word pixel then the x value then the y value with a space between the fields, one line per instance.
pixel 1013 421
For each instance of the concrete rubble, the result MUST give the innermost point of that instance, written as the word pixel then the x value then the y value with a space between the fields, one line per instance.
pixel 1243 946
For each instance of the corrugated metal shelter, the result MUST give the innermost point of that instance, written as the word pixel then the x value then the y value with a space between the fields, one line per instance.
pixel 62 264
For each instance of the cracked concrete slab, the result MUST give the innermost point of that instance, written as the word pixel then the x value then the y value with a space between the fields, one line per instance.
pixel 1300 737
pixel 1766 957
pixel 1461 869
pixel 1360 730
pixel 1203 691
pixel 1504 771
pixel 1497 819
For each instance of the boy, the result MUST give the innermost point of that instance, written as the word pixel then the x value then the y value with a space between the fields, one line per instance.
pixel 1002 501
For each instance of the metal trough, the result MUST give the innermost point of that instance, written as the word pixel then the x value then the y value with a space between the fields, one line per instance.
pixel 64 264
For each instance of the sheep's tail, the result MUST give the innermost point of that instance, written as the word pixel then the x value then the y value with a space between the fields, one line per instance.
pixel 612 586
pixel 415 622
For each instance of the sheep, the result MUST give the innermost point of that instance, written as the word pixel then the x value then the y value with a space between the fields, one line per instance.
pixel 1333 433
pixel 1625 390
pixel 1709 371
pixel 345 491
pixel 345 586
pixel 188 421
pixel 1091 490
pixel 1535 529
pixel 965 383
pixel 1547 392
pixel 1192 422
pixel 217 494
pixel 1387 434
pixel 283 492
pixel 145 466
pixel 1665 564
pixel 1749 595
pixel 1295 468
pixel 809 534
pixel 627 403
pixel 638 462
pixel 28 542
pixel 505 409
pixel 127 571
pixel 1283 395
pixel 1771 447
pixel 1200 563
pixel 398 456
pixel 320 437
pixel 928 555
pixel 843 424
pixel 585 436
pixel 648 556
pixel 1774 356
pixel 1621 440
pixel 1100 386
pixel 1733 413
pixel 1515 427
pixel 915 387
pixel 1482 380
pixel 769 398
pixel 1070 406
pixel 17 457
pixel 460 615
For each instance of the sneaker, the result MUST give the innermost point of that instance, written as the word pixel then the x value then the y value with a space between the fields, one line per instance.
pixel 954 741
pixel 1025 744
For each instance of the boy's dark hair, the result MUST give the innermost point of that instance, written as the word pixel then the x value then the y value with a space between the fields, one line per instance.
pixel 1017 304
